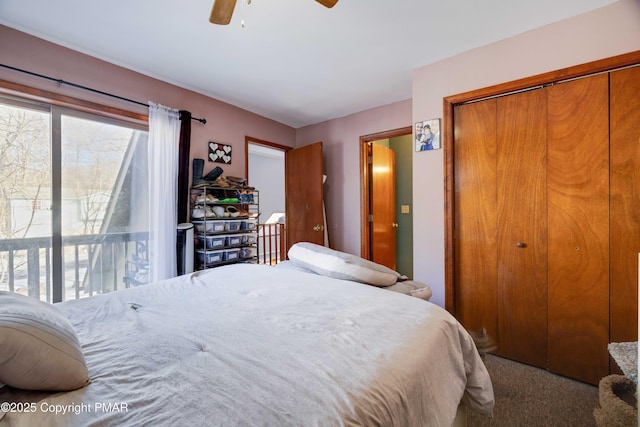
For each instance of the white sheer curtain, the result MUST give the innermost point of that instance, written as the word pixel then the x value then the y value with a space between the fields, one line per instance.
pixel 164 135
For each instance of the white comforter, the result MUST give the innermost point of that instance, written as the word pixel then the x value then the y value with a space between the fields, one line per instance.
pixel 249 345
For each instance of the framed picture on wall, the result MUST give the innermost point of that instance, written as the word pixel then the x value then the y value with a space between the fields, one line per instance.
pixel 427 135
pixel 219 153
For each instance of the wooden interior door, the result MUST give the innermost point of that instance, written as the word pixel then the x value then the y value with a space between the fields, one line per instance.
pixel 522 227
pixel 578 186
pixel 383 205
pixel 625 203
pixel 475 220
pixel 304 199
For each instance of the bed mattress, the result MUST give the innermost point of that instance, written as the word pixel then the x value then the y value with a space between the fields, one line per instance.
pixel 250 345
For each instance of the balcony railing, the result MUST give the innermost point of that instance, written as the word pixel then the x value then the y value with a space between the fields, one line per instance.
pixel 271 243
pixel 98 263
pixel 94 263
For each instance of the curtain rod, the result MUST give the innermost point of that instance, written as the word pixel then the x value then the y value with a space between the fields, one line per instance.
pixel 60 81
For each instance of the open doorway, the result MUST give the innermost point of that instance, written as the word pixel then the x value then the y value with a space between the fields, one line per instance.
pixel 386 199
pixel 265 170
pixel 302 192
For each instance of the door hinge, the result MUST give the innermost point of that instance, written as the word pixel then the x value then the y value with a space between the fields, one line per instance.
pixel 369 160
pixel 370 218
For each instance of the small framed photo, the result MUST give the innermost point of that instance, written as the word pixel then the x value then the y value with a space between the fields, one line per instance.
pixel 427 135
pixel 219 153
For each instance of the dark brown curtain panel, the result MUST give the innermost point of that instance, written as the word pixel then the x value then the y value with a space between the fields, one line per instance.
pixel 183 165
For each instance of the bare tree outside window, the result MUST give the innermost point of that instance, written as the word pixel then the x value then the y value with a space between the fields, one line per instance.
pixel 24 180
pixel 103 174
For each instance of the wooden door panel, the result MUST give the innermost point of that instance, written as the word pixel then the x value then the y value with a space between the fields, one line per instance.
pixel 522 227
pixel 625 203
pixel 304 195
pixel 475 219
pixel 578 192
pixel 383 206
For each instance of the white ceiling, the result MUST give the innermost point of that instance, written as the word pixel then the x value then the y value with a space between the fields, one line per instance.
pixel 295 61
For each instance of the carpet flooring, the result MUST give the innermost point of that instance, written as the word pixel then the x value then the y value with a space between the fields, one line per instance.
pixel 530 397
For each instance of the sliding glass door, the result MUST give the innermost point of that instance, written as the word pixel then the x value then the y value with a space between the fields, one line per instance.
pixel 73 187
pixel 25 198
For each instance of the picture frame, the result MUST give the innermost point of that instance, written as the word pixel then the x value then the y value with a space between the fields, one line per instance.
pixel 219 153
pixel 427 135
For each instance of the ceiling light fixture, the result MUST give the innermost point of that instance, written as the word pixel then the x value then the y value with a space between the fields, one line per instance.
pixel 223 9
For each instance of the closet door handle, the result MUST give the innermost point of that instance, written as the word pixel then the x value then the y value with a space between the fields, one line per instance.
pixel 521 245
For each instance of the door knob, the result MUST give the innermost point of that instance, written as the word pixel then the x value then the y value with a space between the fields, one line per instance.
pixel 318 228
pixel 521 245
pixel 395 225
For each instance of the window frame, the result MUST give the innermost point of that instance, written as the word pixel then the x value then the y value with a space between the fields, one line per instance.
pixel 57 105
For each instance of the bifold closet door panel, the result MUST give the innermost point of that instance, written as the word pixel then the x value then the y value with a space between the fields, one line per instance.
pixel 522 227
pixel 578 194
pixel 625 203
pixel 475 219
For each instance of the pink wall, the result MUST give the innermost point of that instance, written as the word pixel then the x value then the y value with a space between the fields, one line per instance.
pixel 609 31
pixel 341 156
pixel 225 123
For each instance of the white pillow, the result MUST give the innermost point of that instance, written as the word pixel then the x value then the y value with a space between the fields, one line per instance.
pixel 39 349
pixel 341 265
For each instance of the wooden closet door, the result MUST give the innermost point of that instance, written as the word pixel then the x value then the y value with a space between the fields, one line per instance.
pixel 522 227
pixel 578 179
pixel 625 203
pixel 475 218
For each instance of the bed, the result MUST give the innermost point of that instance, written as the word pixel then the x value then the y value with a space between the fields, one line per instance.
pixel 254 345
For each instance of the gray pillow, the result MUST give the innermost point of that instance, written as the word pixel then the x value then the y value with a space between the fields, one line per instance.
pixel 39 349
pixel 340 265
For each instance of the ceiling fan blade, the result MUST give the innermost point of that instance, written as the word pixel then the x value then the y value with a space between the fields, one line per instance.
pixel 328 3
pixel 222 11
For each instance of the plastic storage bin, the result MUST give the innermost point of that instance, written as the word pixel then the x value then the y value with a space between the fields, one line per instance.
pixel 247 252
pixel 209 226
pixel 210 257
pixel 232 225
pixel 249 224
pixel 249 238
pixel 231 254
pixel 210 242
pixel 233 240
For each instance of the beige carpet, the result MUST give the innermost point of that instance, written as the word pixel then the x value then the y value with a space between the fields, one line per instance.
pixel 531 397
